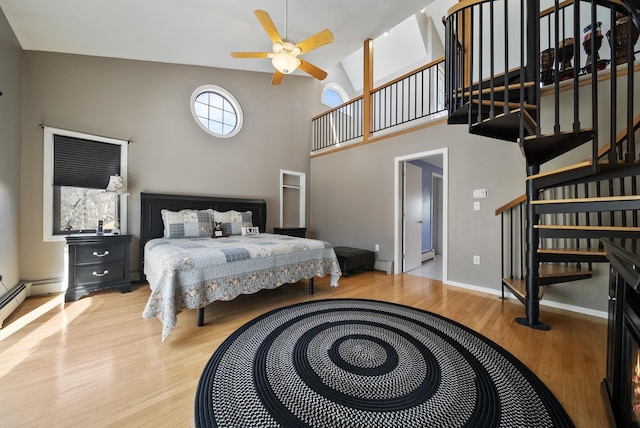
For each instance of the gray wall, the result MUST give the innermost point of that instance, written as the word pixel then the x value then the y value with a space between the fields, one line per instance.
pixel 148 103
pixel 10 76
pixel 352 204
pixel 351 192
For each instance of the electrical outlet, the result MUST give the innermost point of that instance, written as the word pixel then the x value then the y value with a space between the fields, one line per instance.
pixel 476 260
pixel 377 247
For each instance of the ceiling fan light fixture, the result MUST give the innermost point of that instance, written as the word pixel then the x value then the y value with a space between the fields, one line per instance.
pixel 285 63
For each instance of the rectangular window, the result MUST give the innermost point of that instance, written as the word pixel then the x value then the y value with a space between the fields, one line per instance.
pixel 77 168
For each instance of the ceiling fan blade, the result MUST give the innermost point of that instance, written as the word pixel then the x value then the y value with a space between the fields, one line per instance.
pixel 268 25
pixel 322 38
pixel 250 54
pixel 312 70
pixel 277 78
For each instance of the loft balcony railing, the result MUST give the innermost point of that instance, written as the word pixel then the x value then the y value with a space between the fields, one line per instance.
pixel 338 125
pixel 416 95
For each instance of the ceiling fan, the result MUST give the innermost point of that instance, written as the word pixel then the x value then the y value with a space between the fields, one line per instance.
pixel 285 55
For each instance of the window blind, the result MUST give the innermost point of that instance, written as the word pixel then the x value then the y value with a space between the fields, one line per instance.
pixel 84 163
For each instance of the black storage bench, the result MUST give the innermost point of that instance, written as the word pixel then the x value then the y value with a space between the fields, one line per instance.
pixel 354 258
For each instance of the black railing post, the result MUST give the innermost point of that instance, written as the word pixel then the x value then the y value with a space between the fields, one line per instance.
pixel 631 138
pixel 532 318
pixel 533 55
pixel 502 252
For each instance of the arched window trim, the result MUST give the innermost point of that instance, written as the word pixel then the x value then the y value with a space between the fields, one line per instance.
pixel 338 89
pixel 229 97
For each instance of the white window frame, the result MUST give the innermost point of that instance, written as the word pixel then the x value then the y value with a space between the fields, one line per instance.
pixel 47 183
pixel 336 88
pixel 223 93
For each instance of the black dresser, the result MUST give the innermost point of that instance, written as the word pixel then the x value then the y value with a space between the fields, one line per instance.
pixel 97 262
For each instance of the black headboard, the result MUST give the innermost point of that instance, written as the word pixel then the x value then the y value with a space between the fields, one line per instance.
pixel 152 204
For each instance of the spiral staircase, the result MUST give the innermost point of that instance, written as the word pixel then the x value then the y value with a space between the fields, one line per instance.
pixel 517 73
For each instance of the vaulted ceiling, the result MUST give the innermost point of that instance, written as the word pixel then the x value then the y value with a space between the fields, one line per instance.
pixel 201 32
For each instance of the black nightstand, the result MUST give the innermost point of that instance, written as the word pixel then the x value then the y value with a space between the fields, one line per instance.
pixel 299 232
pixel 97 262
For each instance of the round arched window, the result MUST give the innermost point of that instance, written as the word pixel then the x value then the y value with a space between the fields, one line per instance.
pixel 216 111
pixel 333 95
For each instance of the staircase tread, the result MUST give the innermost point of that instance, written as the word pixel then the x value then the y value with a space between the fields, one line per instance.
pixel 585 164
pixel 513 86
pixel 543 148
pixel 502 104
pixel 519 287
pixel 547 270
pixel 535 137
pixel 505 126
pixel 576 251
pixel 580 227
pixel 528 120
pixel 587 200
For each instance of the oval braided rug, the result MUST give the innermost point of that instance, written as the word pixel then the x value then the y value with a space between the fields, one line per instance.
pixel 365 363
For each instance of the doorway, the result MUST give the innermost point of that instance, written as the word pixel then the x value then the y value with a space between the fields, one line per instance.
pixel 434 221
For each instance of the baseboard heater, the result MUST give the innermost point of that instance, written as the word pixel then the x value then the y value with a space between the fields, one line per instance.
pixel 11 300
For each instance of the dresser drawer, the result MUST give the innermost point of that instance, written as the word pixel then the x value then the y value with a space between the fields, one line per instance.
pixel 97 262
pixel 99 274
pixel 100 253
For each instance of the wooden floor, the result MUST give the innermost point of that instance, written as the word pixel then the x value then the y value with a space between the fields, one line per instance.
pixel 96 362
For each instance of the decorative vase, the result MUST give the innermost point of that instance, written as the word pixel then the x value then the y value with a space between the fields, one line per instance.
pixel 586 43
pixel 565 53
pixel 622 38
pixel 547 57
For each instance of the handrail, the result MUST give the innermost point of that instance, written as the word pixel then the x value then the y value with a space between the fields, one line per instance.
pixel 514 203
pixel 412 72
pixel 620 138
pixel 331 110
pixel 552 9
pixel 463 5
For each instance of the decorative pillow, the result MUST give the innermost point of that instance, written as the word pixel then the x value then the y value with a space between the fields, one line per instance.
pixel 233 221
pixel 187 223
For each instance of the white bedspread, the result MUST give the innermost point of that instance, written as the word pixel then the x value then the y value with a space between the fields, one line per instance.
pixel 193 272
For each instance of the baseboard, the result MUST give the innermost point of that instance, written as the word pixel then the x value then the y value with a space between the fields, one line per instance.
pixel 428 255
pixel 13 298
pixel 384 266
pixel 47 286
pixel 548 303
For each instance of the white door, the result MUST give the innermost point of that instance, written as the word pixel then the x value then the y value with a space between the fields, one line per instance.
pixel 412 225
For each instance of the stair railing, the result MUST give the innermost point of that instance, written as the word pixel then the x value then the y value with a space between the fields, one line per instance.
pixel 618 182
pixel 473 92
pixel 413 96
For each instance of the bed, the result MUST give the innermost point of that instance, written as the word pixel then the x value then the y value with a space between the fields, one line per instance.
pixel 189 272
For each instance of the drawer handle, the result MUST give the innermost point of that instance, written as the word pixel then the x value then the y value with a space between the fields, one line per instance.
pixel 106 271
pixel 106 253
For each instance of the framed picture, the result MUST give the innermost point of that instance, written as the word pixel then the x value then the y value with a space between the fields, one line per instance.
pixel 250 230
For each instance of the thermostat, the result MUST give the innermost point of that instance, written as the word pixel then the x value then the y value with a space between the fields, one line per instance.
pixel 480 193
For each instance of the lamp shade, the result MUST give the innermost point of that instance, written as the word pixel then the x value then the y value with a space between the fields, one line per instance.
pixel 116 185
pixel 285 63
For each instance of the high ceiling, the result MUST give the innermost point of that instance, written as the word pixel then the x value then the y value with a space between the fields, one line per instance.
pixel 199 32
